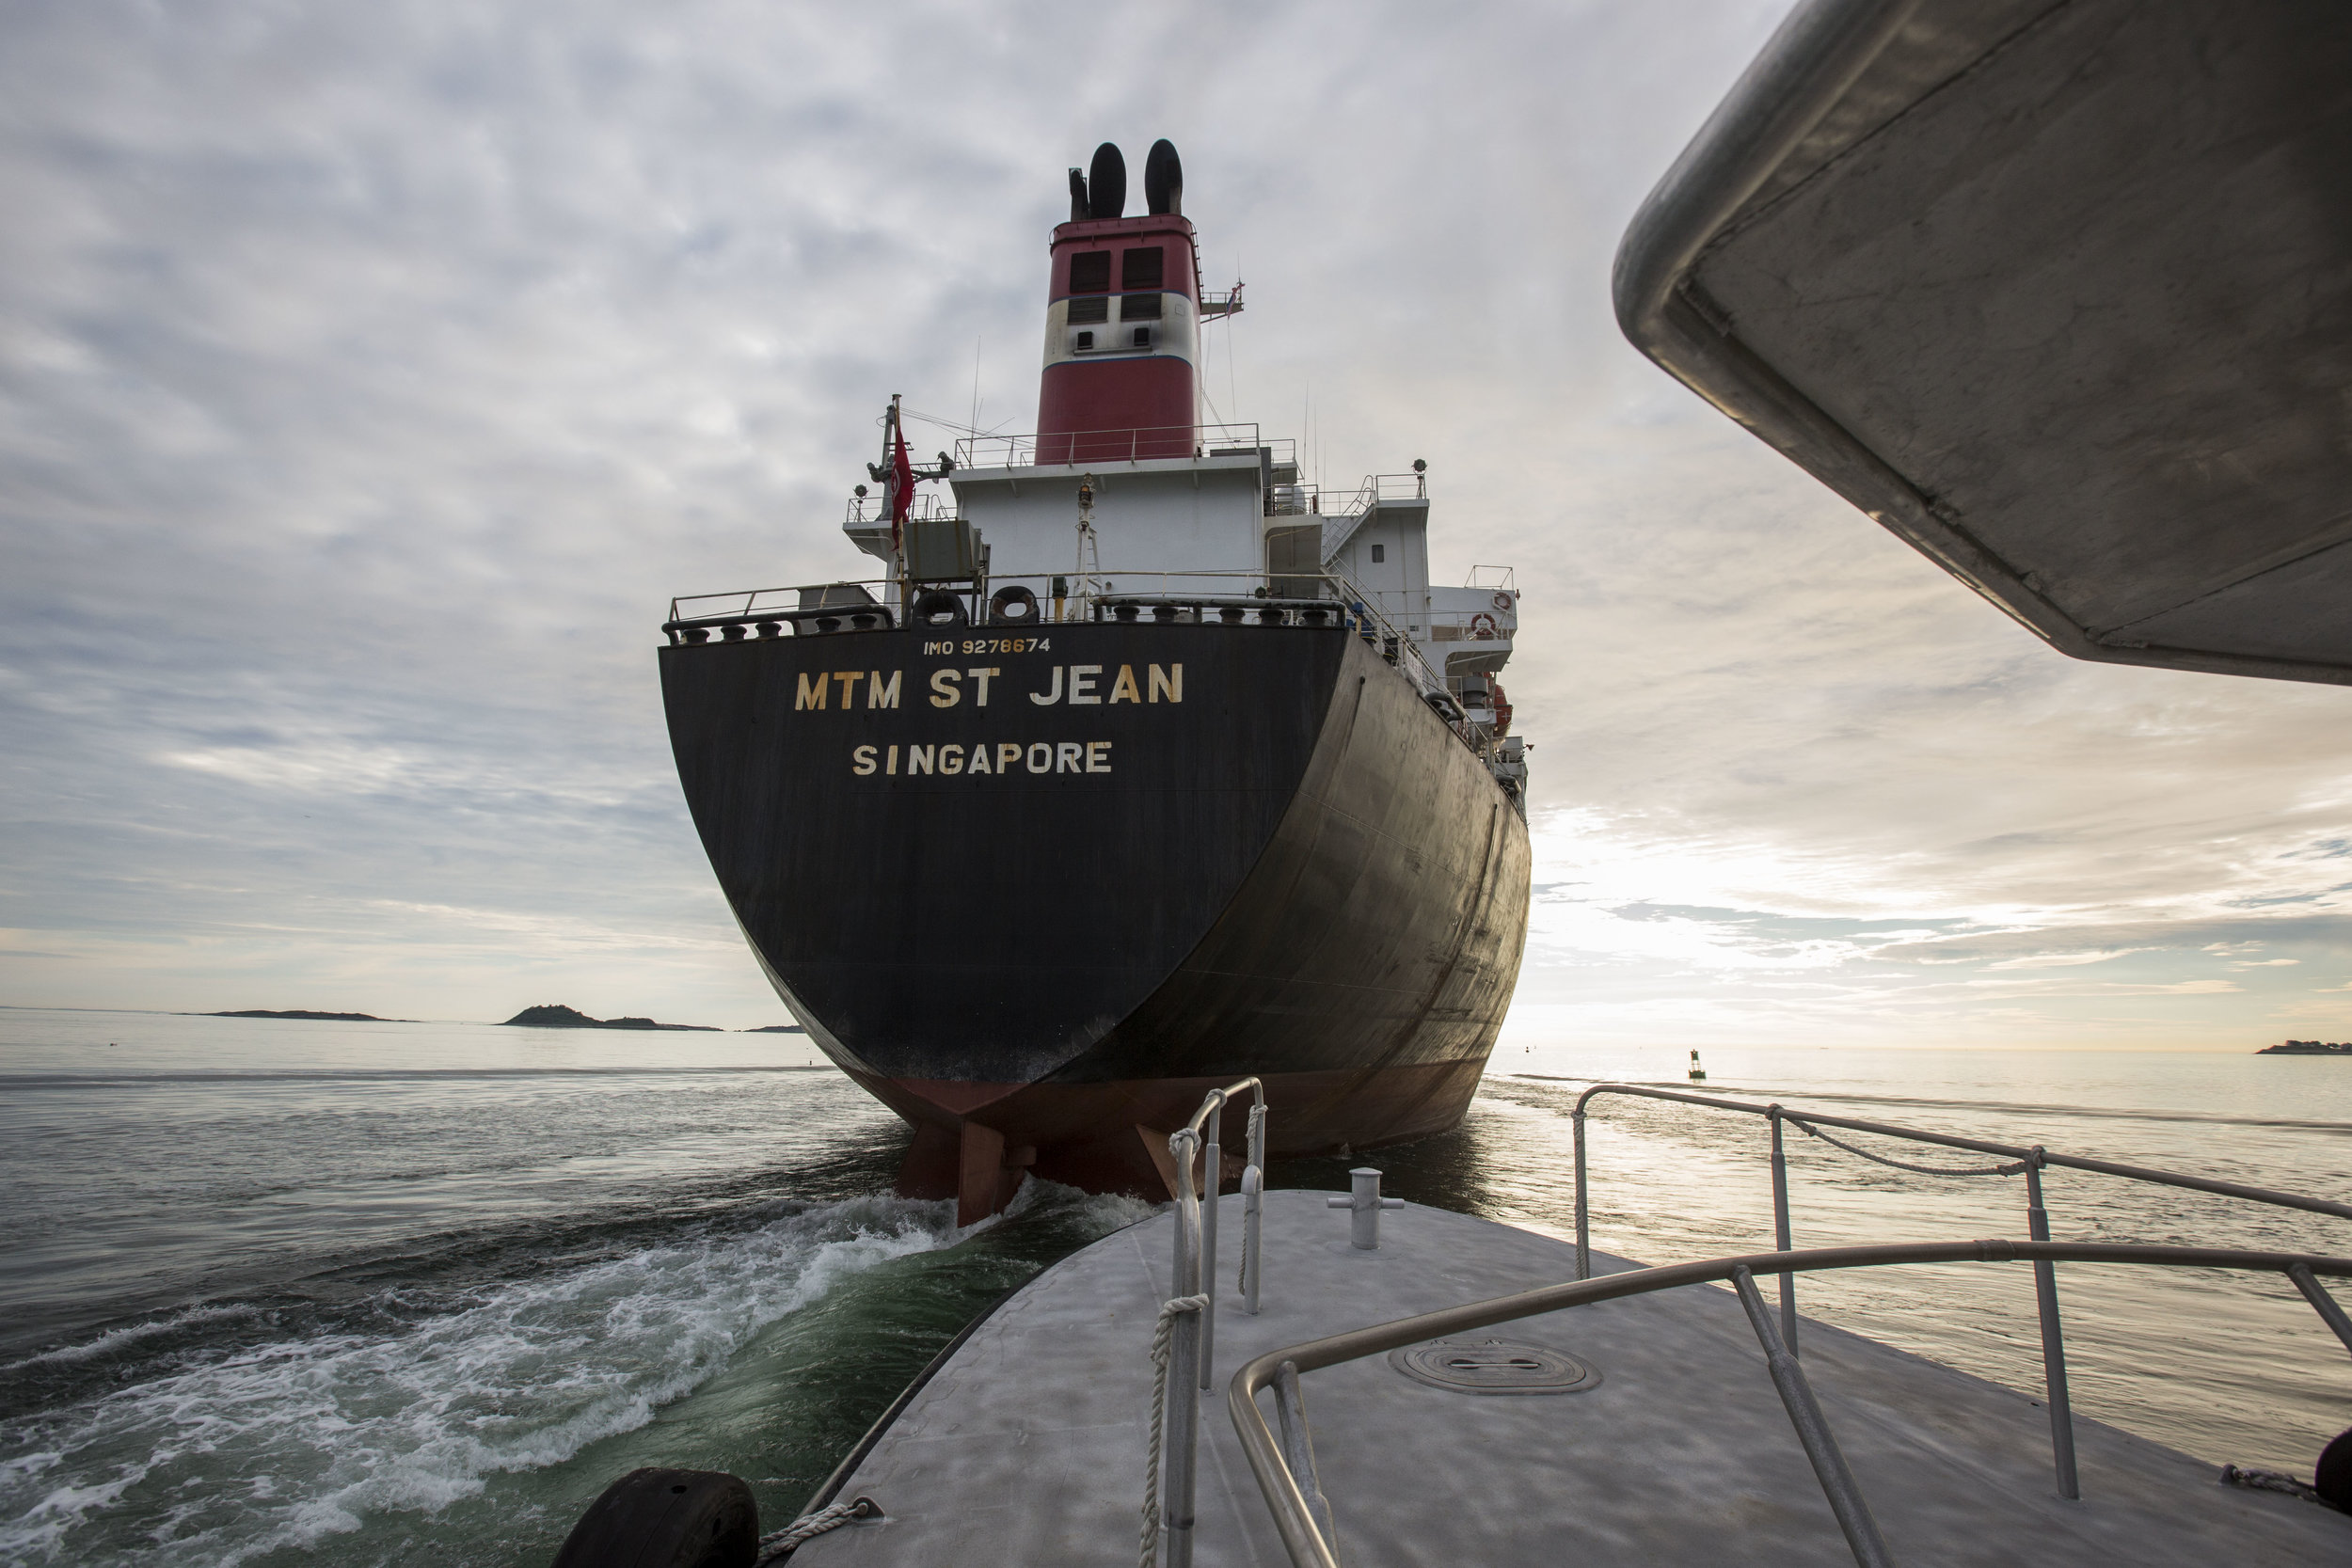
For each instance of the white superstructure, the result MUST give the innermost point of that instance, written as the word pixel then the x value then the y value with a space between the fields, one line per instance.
pixel 1231 518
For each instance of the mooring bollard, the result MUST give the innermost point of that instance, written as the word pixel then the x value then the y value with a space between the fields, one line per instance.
pixel 1364 1226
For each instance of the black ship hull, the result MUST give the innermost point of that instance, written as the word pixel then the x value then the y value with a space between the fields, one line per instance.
pixel 1037 911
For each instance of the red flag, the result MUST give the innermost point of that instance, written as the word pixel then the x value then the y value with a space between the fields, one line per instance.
pixel 901 487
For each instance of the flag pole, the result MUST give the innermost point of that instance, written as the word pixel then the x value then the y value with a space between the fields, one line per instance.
pixel 891 442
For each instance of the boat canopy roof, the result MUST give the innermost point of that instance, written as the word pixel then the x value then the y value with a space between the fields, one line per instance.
pixel 2060 293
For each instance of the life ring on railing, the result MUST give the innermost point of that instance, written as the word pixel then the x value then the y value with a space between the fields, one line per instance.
pixel 1503 603
pixel 1482 627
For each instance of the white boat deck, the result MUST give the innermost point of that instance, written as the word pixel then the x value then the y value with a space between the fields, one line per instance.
pixel 1027 1447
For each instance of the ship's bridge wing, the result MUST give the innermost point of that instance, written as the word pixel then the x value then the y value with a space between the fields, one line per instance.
pixel 2059 293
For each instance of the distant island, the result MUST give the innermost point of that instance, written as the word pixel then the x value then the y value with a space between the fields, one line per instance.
pixel 2307 1048
pixel 569 1018
pixel 305 1012
pixel 782 1029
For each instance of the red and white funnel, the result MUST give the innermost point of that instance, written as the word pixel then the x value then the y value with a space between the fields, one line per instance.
pixel 1122 323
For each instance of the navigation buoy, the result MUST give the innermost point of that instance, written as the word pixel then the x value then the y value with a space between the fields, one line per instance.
pixel 1698 1073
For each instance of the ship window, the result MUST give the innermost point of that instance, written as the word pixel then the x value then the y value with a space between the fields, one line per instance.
pixel 1141 268
pixel 1143 337
pixel 1138 308
pixel 1379 554
pixel 1090 272
pixel 1086 341
pixel 1096 309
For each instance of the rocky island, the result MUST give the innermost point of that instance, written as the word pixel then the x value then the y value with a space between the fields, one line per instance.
pixel 305 1012
pixel 2307 1048
pixel 569 1018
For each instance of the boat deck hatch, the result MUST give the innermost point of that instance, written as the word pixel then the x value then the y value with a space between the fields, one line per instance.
pixel 1493 1366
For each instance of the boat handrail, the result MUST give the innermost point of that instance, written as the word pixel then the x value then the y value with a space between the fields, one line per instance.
pixel 1309 1544
pixel 1192 1342
pixel 2025 1161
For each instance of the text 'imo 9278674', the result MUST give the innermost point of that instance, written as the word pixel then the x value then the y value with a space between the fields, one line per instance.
pixel 1141 765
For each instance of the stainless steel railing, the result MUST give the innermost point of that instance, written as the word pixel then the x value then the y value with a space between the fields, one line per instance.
pixel 1193 1337
pixel 1285 1470
pixel 2023 1161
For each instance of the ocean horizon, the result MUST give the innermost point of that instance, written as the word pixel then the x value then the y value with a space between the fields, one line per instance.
pixel 282 1291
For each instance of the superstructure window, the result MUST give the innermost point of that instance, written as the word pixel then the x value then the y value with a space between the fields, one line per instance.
pixel 1141 268
pixel 1090 272
pixel 1143 337
pixel 1138 308
pixel 1085 311
pixel 1086 341
pixel 1379 554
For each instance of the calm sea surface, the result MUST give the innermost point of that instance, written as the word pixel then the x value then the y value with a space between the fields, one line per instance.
pixel 279 1292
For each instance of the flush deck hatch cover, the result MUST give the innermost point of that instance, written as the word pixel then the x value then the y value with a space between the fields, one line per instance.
pixel 1493 1366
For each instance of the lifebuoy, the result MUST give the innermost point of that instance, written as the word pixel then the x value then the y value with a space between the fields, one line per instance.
pixel 1503 603
pixel 1482 626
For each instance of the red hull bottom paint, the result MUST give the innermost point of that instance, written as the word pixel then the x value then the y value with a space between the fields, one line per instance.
pixel 974 1141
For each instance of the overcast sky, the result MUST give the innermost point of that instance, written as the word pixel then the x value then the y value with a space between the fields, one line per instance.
pixel 370 375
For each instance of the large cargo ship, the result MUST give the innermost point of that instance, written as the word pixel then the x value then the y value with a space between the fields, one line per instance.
pixel 1142 765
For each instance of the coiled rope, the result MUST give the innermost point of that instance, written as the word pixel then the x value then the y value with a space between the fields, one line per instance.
pixel 1148 1553
pixel 778 1544
pixel 2012 1168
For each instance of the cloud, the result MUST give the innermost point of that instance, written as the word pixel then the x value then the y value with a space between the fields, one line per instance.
pixel 370 377
pixel 2061 961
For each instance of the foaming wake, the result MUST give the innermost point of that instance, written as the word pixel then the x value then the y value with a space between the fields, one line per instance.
pixel 130 1335
pixel 285 1444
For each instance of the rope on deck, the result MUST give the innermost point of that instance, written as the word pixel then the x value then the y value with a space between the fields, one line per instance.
pixel 778 1545
pixel 2012 1168
pixel 2273 1481
pixel 1148 1553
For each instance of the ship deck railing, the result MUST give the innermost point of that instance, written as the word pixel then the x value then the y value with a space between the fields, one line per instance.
pixel 973 608
pixel 1331 504
pixel 871 510
pixel 1083 448
pixel 1191 1316
pixel 2017 1159
pixel 1285 1470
